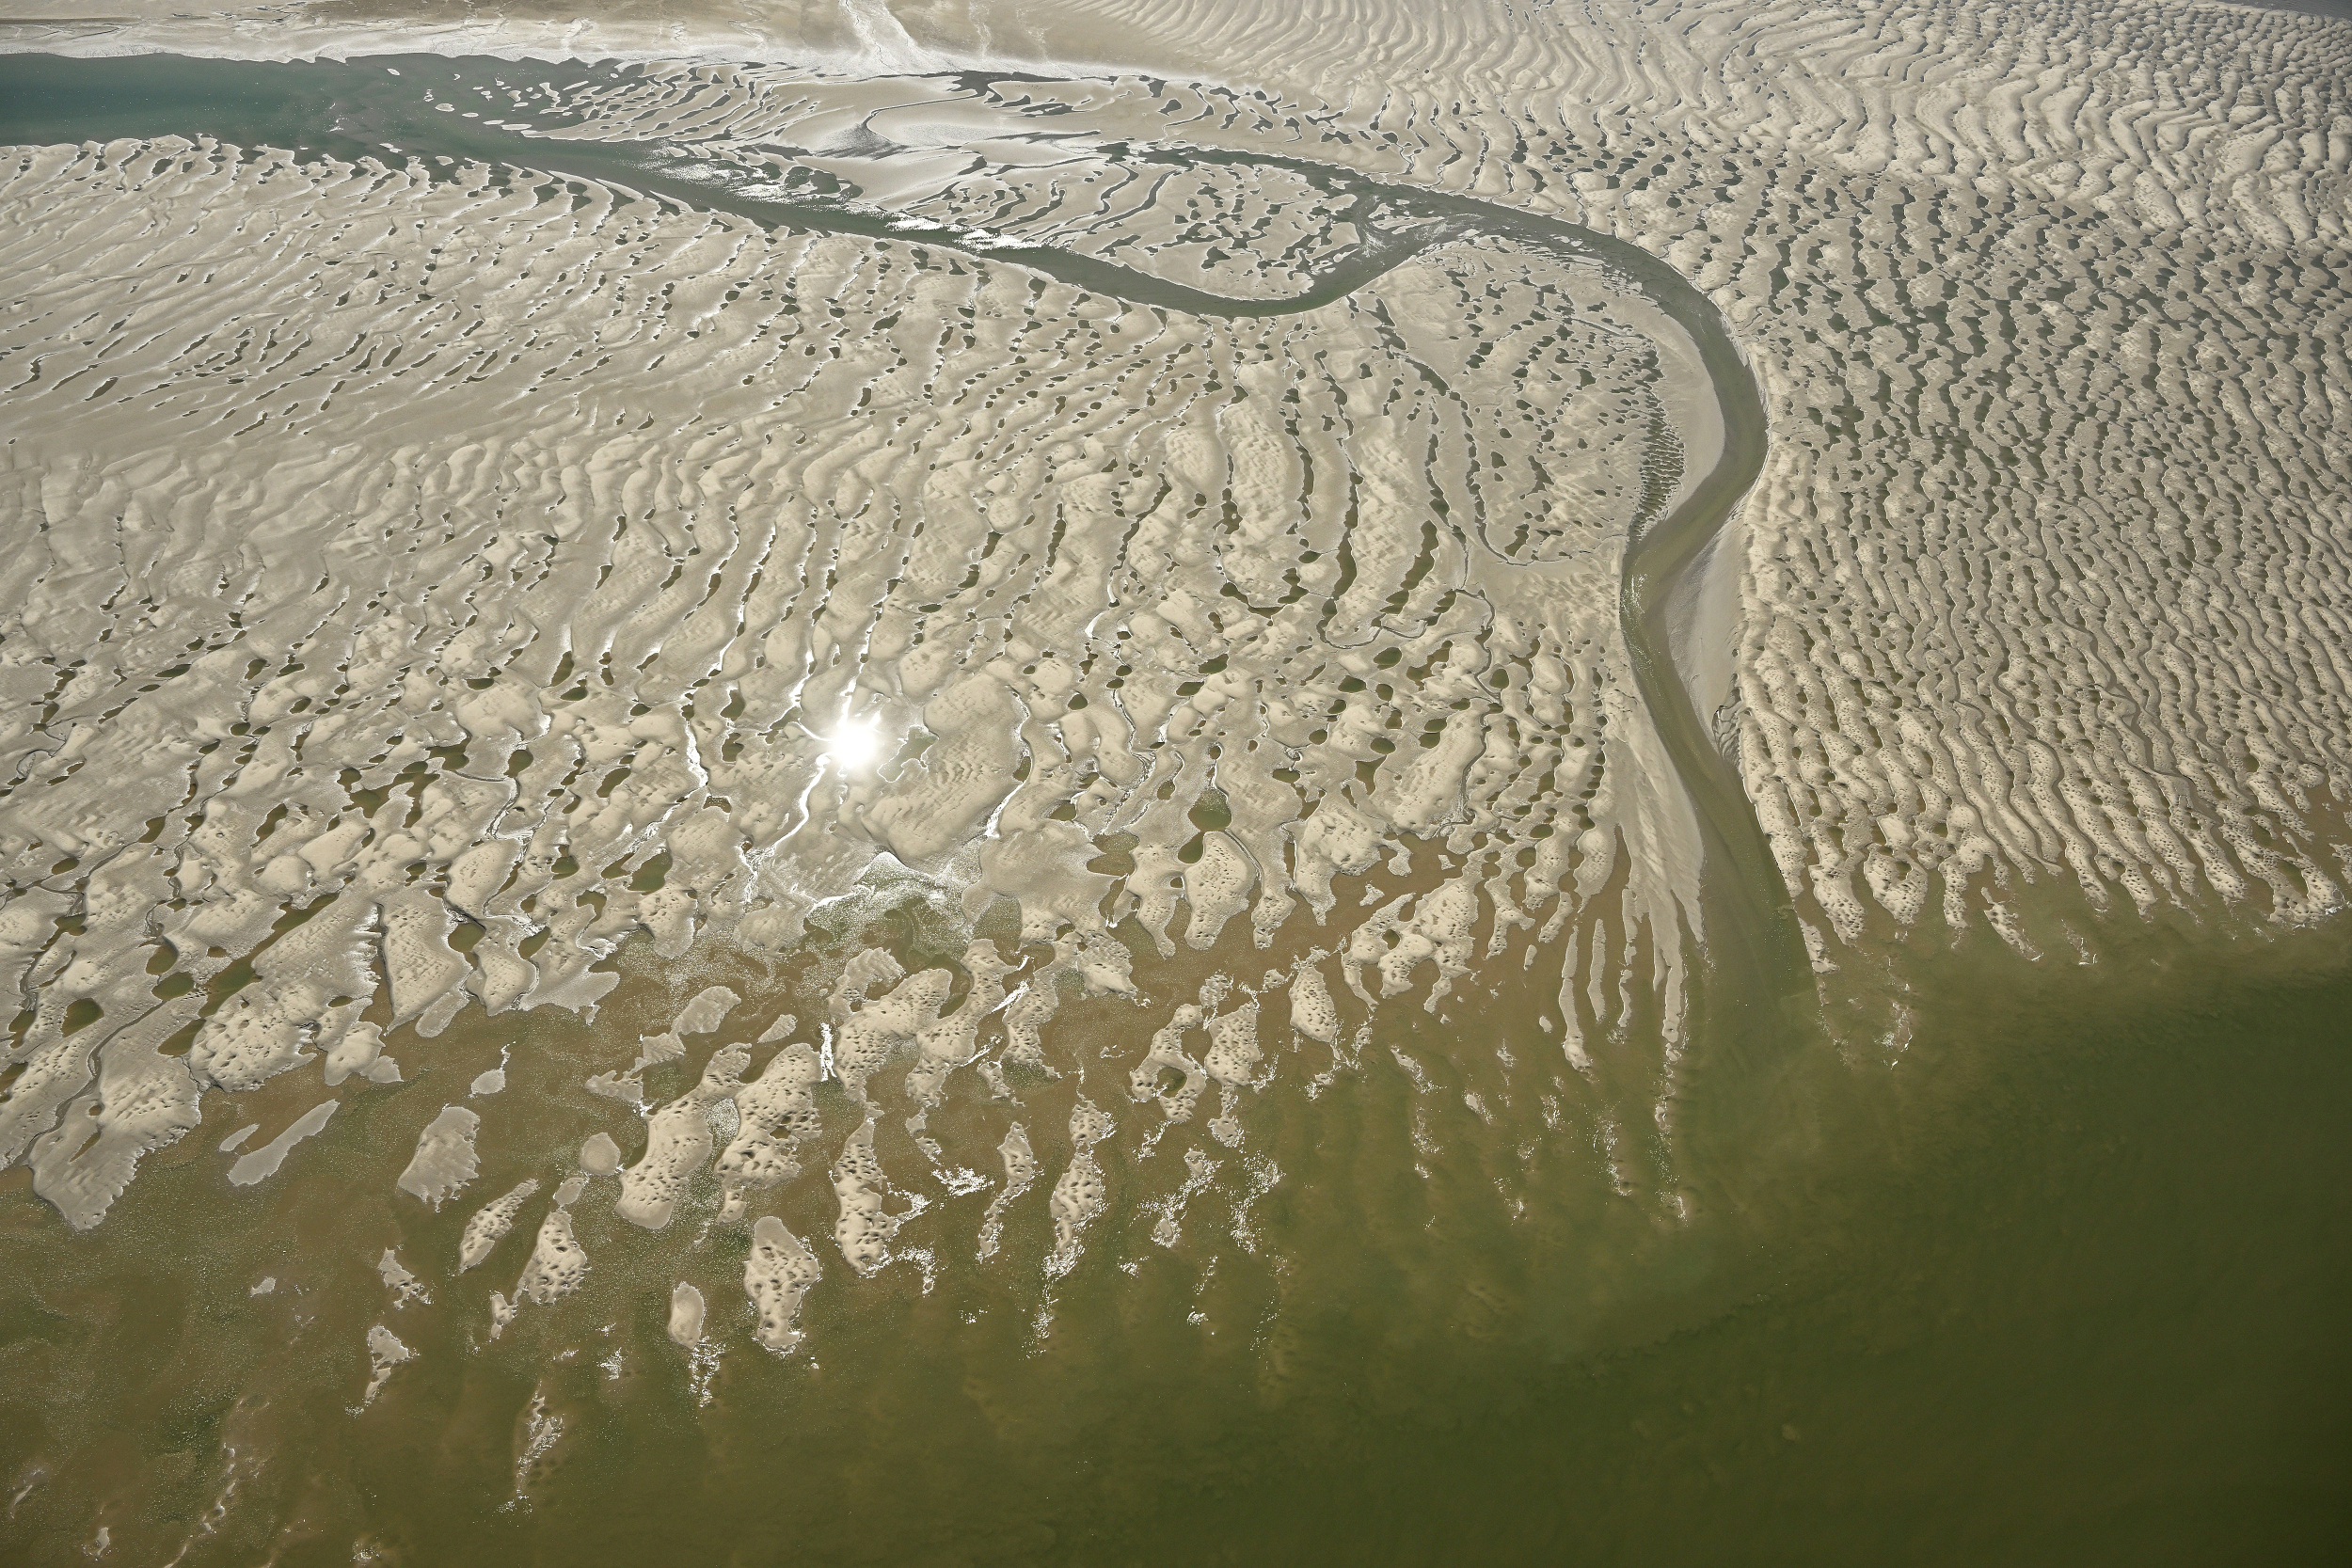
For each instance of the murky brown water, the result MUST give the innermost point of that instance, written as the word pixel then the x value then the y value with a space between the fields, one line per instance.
pixel 2063 1283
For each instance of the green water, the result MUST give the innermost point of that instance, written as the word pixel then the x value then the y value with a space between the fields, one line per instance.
pixel 2067 1284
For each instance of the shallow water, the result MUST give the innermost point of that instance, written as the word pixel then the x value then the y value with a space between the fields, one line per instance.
pixel 2058 1279
pixel 2065 1285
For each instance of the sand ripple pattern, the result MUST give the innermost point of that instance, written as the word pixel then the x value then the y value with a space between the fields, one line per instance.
pixel 2046 579
pixel 435 582
pixel 2045 576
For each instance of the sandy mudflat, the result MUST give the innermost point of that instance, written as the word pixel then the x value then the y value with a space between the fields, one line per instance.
pixel 442 585
pixel 953 573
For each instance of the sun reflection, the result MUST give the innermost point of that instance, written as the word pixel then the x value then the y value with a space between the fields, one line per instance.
pixel 853 746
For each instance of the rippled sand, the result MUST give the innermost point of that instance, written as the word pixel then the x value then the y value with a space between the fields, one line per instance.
pixel 954 579
pixel 895 651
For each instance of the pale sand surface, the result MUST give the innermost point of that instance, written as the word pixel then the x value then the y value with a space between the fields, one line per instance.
pixel 547 712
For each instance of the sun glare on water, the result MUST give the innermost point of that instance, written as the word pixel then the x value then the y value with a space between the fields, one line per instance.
pixel 852 747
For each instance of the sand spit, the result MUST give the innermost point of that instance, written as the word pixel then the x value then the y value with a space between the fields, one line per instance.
pixel 776 1276
pixel 385 1353
pixel 259 1165
pixel 494 567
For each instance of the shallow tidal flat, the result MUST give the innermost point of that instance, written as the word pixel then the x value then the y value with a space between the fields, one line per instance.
pixel 884 794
